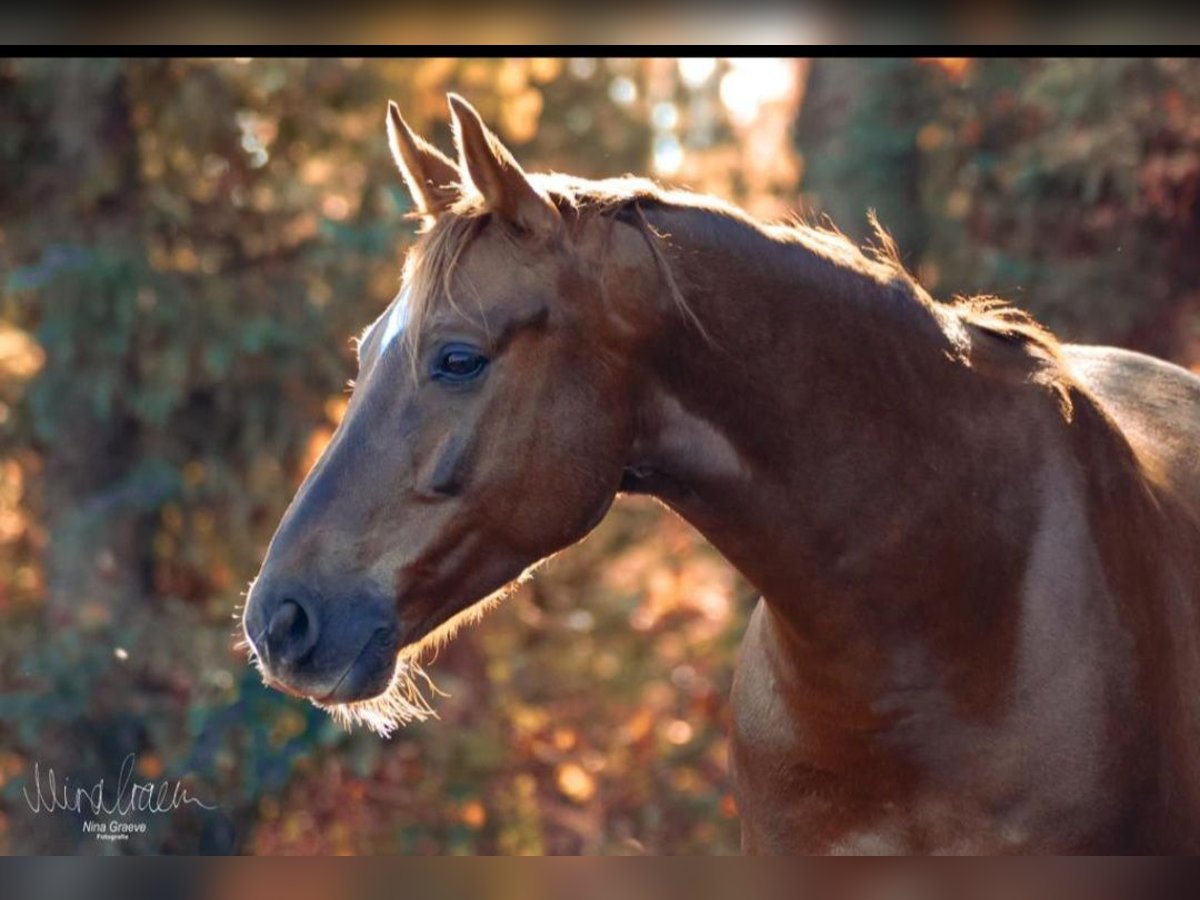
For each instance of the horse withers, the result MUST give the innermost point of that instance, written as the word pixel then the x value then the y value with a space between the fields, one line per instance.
pixel 978 550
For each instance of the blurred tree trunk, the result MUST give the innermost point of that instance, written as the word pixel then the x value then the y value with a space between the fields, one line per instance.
pixel 858 135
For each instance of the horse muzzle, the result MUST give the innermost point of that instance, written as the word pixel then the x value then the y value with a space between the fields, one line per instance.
pixel 310 646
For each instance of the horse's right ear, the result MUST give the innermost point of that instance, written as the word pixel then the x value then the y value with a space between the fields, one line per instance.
pixel 432 179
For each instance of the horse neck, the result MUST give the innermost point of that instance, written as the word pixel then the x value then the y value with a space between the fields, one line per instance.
pixel 828 439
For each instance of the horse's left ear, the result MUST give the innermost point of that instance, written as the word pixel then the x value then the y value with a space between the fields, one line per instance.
pixel 496 175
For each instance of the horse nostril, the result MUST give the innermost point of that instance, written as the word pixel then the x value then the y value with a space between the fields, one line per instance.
pixel 291 633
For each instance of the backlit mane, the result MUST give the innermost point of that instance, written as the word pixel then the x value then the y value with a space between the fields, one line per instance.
pixel 985 311
pixel 431 263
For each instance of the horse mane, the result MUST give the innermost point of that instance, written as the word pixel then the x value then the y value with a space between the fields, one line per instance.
pixel 992 315
pixel 432 262
pixel 987 312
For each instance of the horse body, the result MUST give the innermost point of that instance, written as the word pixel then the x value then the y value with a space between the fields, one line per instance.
pixel 856 730
pixel 978 551
pixel 978 615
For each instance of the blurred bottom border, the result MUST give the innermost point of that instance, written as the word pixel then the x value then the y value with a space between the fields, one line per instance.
pixel 594 879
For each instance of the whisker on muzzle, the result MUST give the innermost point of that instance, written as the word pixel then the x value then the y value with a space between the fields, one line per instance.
pixel 404 700
pixel 401 702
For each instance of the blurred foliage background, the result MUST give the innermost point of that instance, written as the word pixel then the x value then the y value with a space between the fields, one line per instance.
pixel 186 248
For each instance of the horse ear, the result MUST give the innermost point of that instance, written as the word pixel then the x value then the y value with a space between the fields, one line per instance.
pixel 432 179
pixel 496 175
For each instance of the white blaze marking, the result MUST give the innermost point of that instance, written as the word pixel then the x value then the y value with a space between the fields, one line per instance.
pixel 397 319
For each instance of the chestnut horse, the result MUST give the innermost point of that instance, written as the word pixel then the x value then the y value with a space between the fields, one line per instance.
pixel 978 550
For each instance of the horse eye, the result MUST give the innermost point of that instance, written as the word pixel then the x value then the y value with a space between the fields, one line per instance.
pixel 458 362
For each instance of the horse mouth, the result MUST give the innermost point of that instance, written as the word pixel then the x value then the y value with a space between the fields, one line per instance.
pixel 384 687
pixel 404 696
pixel 401 701
pixel 368 674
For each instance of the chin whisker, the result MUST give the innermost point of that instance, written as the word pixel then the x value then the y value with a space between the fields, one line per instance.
pixel 405 699
pixel 400 703
pixel 251 653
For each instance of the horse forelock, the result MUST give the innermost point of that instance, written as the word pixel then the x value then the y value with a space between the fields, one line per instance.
pixel 432 261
